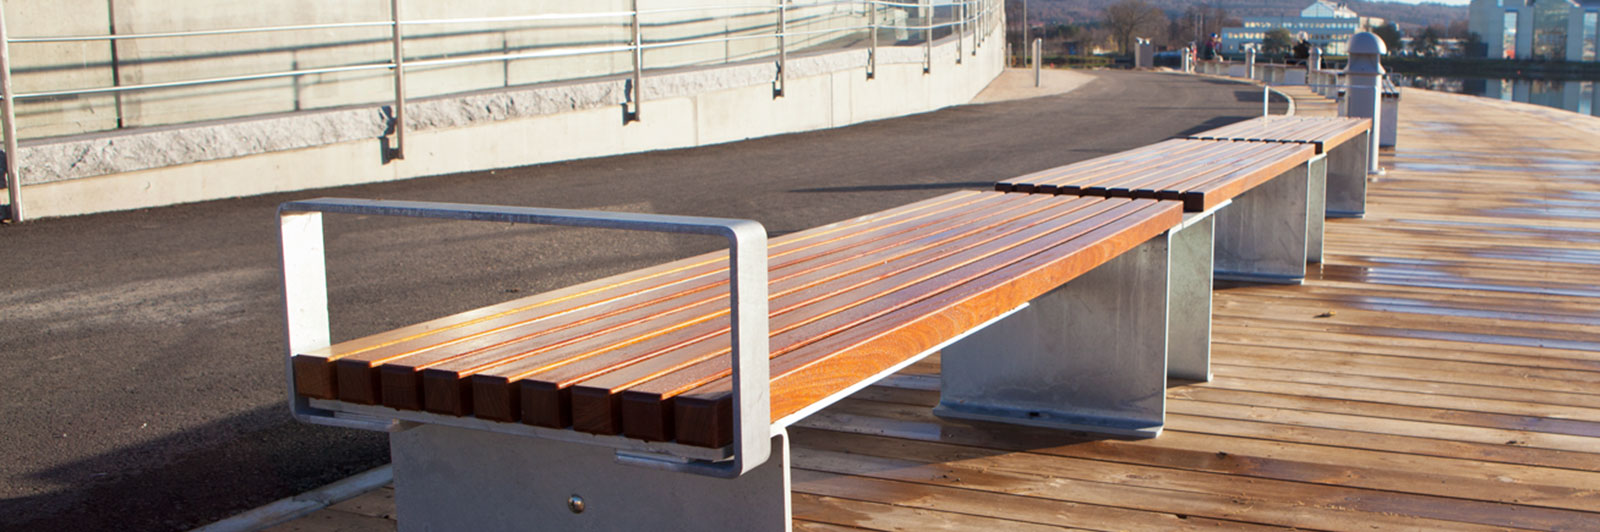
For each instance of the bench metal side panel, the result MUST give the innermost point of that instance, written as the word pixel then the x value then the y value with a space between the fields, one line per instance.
pixel 1090 355
pixel 1262 236
pixel 1347 178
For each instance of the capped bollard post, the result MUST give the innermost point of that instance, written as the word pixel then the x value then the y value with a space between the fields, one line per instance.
pixel 1250 63
pixel 1188 59
pixel 1364 95
pixel 1314 63
pixel 1038 46
pixel 1391 115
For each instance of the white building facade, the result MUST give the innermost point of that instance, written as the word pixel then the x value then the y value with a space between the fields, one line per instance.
pixel 1550 30
pixel 1326 25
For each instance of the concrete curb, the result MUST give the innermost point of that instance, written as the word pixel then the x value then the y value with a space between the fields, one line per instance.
pixel 1285 96
pixel 291 508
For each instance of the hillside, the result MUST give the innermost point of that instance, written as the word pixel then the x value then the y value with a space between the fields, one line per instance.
pixel 1406 15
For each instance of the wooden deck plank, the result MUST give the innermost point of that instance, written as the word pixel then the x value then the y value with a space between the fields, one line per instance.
pixel 1054 469
pixel 947 494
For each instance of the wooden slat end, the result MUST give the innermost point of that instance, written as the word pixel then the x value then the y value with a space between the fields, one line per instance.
pixel 357 381
pixel 705 422
pixel 493 398
pixel 313 377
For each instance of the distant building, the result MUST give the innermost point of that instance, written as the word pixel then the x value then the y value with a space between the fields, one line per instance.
pixel 1326 25
pixel 1554 30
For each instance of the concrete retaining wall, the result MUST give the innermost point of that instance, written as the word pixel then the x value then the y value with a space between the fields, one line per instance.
pixel 497 129
pixel 75 65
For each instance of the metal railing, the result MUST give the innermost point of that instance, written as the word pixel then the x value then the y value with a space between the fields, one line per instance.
pixel 821 23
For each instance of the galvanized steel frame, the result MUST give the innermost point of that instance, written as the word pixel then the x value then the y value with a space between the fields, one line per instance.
pixel 306 309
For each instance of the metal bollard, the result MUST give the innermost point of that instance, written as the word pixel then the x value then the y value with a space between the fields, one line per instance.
pixel 1365 93
pixel 1038 45
pixel 1250 63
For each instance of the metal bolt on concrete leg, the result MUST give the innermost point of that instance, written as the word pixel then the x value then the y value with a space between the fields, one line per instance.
pixel 575 503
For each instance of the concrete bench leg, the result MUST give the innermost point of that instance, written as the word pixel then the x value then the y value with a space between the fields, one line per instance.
pixel 1189 299
pixel 1347 178
pixel 1090 355
pixel 1316 206
pixel 449 478
pixel 1262 235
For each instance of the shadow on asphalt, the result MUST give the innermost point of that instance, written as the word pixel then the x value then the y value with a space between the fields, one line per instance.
pixel 1210 125
pixel 980 185
pixel 200 487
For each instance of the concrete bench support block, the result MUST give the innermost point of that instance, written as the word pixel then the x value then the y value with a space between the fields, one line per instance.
pixel 449 478
pixel 1263 235
pixel 1053 364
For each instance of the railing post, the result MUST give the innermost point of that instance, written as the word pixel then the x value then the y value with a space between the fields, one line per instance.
pixel 1250 63
pixel 872 47
pixel 974 11
pixel 961 29
pixel 1364 97
pixel 637 94
pixel 927 36
pixel 1025 40
pixel 8 109
pixel 399 114
pixel 783 52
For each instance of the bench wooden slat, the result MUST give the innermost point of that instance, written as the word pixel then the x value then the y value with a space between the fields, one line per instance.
pixel 545 394
pixel 647 407
pixel 1106 167
pixel 595 401
pixel 1179 157
pixel 315 372
pixel 495 391
pixel 442 379
pixel 1201 173
pixel 1173 157
pixel 1201 196
pixel 837 362
pixel 1146 182
pixel 1323 132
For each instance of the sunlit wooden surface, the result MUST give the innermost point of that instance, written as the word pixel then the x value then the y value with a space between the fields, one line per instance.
pixel 1440 371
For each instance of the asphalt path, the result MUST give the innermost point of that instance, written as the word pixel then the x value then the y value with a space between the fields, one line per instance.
pixel 142 351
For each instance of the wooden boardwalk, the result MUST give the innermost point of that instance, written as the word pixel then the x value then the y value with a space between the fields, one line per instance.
pixel 1440 371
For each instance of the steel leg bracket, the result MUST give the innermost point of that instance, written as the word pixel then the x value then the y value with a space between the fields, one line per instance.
pixel 1263 235
pixel 1090 355
pixel 1347 178
pixel 450 478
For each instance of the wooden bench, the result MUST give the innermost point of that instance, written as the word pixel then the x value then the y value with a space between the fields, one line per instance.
pixel 1343 141
pixel 656 368
pixel 1267 221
